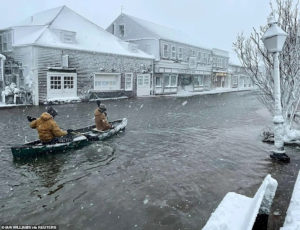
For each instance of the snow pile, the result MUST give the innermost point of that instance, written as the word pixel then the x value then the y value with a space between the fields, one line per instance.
pixel 10 90
pixel 236 212
pixel 292 135
pixel 292 219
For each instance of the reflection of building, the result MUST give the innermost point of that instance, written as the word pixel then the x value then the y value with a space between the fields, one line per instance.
pixel 64 57
pixel 239 77
pixel 180 63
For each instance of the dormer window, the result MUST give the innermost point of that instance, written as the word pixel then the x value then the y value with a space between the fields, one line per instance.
pixel 122 30
pixel 68 36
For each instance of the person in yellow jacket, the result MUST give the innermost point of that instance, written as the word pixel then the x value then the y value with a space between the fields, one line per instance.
pixel 100 118
pixel 47 128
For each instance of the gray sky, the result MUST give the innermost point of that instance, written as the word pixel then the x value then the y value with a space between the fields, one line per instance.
pixel 216 23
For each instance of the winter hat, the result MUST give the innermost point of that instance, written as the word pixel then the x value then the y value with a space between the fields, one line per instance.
pixel 98 103
pixel 51 111
pixel 102 108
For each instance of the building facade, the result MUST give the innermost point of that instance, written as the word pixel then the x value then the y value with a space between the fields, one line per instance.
pixel 180 64
pixel 240 79
pixel 61 56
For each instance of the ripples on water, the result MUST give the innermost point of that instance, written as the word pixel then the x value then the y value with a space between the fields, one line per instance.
pixel 169 170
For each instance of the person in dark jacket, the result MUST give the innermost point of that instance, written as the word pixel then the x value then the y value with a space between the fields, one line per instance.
pixel 100 118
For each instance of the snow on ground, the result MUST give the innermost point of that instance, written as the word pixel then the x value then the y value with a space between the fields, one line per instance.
pixel 184 93
pixel 10 105
pixel 292 219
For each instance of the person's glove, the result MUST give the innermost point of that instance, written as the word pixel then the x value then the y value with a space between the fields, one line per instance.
pixel 30 119
pixel 70 131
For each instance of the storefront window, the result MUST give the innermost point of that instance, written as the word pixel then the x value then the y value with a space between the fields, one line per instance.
pixel 198 80
pixel 158 81
pixel 173 80
pixel 167 80
pixel 170 80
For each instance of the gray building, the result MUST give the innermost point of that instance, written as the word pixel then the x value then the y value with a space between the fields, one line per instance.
pixel 180 63
pixel 59 55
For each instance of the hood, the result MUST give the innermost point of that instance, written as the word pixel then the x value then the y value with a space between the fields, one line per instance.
pixel 46 116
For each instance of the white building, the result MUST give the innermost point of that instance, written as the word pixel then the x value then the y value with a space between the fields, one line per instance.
pixel 64 56
pixel 180 62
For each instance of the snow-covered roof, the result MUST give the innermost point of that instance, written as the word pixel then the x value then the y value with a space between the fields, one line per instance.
pixel 167 33
pixel 41 18
pixel 220 52
pixel 44 29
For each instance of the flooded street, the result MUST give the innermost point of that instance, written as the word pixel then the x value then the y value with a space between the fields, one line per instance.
pixel 169 170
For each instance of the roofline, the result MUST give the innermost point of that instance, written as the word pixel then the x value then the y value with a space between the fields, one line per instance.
pixel 139 39
pixel 210 49
pixel 84 50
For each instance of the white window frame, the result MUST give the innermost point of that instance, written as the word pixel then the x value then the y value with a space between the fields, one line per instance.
pixel 170 80
pixel 201 83
pixel 173 51
pixel 234 80
pixel 199 56
pixel 166 54
pixel 127 76
pixel 160 81
pixel 62 91
pixel 180 53
pixel 118 83
pixel 7 37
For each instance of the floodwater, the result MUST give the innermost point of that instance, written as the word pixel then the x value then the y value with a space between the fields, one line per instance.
pixel 169 170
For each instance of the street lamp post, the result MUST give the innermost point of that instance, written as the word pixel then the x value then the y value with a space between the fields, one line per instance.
pixel 274 39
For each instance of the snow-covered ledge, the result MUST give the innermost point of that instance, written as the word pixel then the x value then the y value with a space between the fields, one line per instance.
pixel 236 212
pixel 292 219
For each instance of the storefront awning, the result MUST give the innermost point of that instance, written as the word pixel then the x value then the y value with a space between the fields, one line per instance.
pixel 221 74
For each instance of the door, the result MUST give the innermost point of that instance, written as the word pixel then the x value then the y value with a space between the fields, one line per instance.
pixel 61 86
pixel 143 85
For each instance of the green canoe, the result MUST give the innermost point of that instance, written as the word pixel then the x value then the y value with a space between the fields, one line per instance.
pixel 81 137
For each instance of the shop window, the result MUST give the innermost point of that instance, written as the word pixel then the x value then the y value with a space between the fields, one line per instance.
pixel 107 82
pixel 170 80
pixel 167 80
pixel 198 81
pixel 158 81
pixel 234 80
pixel 173 80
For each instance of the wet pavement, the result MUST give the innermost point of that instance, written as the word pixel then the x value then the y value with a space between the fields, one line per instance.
pixel 169 170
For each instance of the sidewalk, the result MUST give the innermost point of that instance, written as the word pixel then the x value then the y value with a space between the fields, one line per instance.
pixel 214 91
pixel 3 105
